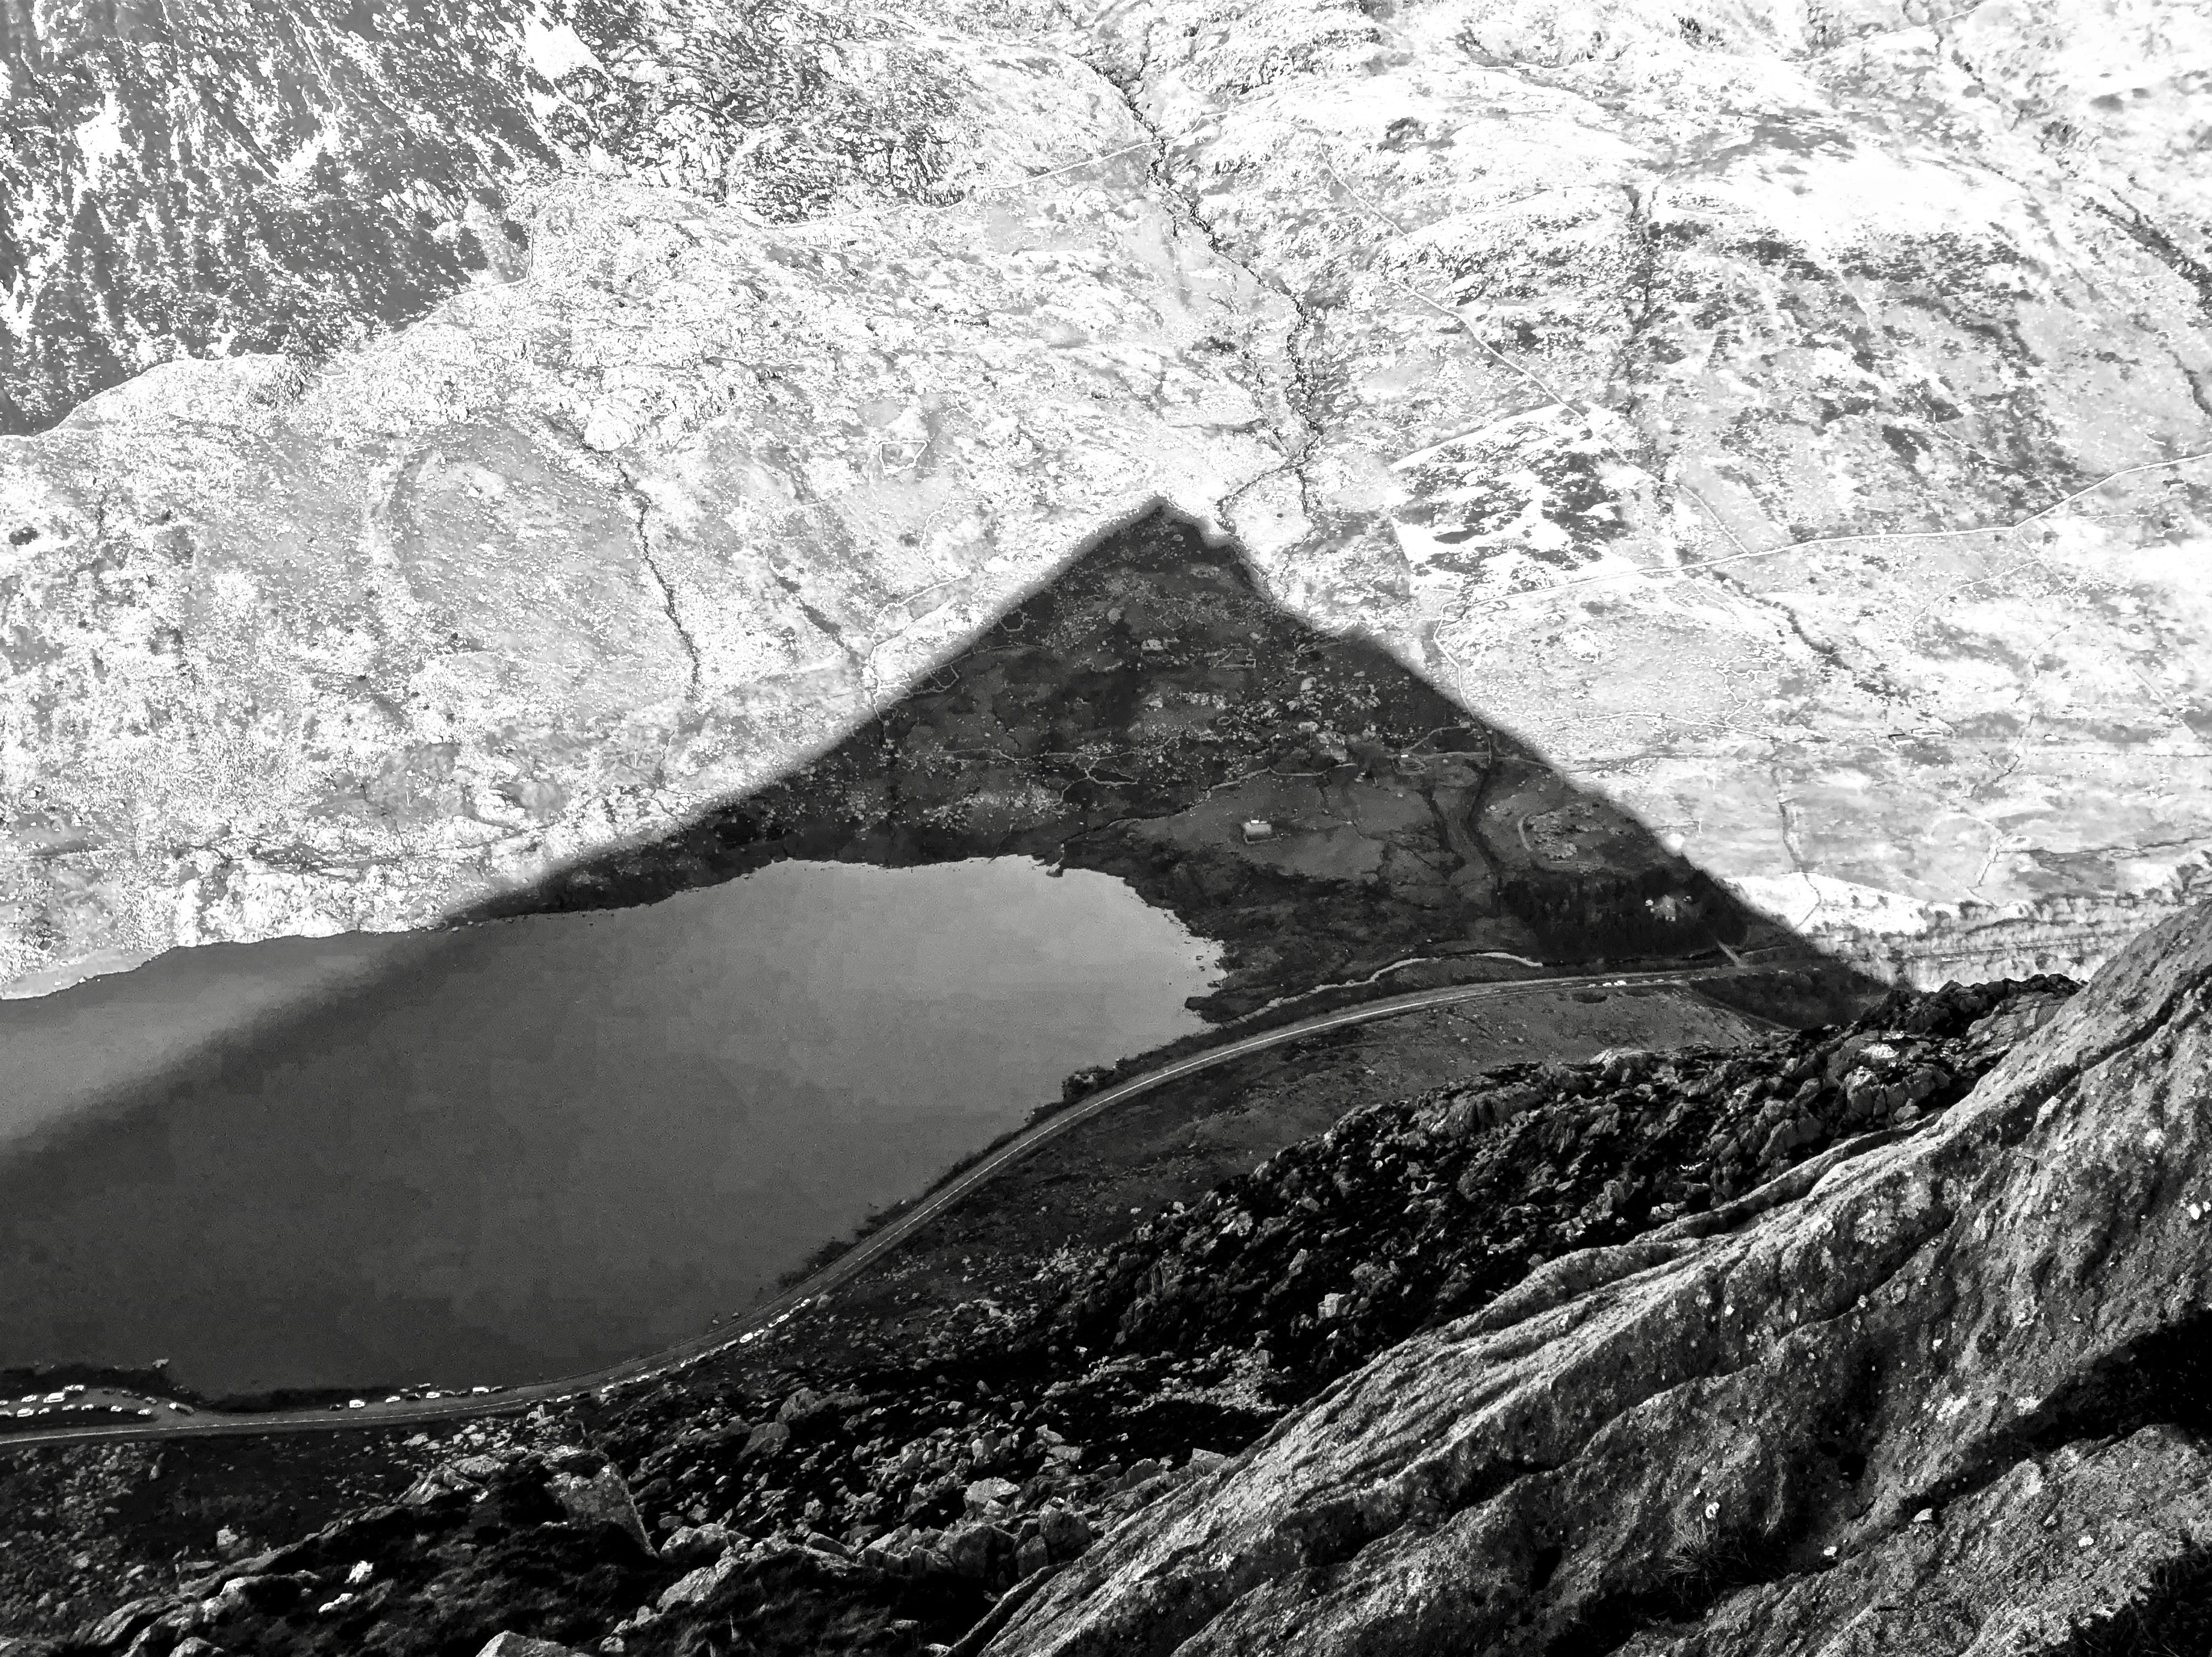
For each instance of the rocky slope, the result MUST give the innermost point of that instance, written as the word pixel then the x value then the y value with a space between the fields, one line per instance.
pixel 293 176
pixel 216 180
pixel 1406 1214
pixel 1662 382
pixel 1709 1351
pixel 1950 1398
pixel 89 1529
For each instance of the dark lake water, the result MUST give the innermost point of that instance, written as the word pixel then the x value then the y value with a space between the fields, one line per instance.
pixel 523 1149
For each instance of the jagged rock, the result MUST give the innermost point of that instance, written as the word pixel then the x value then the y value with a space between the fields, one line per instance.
pixel 767 1438
pixel 521 1645
pixel 603 1497
pixel 175 1625
pixel 121 1625
pixel 696 1587
pixel 695 1544
pixel 987 1493
pixel 1959 1320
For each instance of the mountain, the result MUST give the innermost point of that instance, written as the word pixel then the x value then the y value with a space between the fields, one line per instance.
pixel 1785 423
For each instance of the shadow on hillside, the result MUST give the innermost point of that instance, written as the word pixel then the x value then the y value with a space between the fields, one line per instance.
pixel 287 1169
pixel 1305 799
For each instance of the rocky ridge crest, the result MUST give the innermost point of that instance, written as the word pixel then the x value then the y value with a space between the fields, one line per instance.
pixel 1947 1399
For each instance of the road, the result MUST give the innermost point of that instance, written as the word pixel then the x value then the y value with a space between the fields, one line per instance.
pixel 654 1366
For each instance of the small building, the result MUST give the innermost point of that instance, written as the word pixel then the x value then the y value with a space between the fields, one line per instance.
pixel 1257 829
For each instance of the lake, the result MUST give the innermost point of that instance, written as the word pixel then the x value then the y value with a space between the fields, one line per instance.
pixel 525 1149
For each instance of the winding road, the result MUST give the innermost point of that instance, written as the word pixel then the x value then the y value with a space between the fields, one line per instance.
pixel 167 1423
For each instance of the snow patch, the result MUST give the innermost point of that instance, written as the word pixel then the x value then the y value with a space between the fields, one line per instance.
pixel 1809 901
pixel 293 168
pixel 555 48
pixel 99 137
pixel 1843 195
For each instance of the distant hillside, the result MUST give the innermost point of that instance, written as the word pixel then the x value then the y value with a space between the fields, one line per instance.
pixel 241 176
pixel 210 179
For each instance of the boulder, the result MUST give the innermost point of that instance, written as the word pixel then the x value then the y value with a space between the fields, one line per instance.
pixel 695 1544
pixel 521 1645
pixel 695 1587
pixel 804 1404
pixel 767 1438
pixel 1031 1556
pixel 1138 1472
pixel 1718 1444
pixel 1065 1530
pixel 985 1493
pixel 603 1497
pixel 975 1548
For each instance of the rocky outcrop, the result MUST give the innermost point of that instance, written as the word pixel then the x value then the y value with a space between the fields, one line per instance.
pixel 1950 1396
pixel 1535 1182
pixel 592 1493
pixel 1780 418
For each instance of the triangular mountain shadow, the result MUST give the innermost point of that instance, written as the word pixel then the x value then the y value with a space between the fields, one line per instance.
pixel 1305 799
pixel 395 1156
